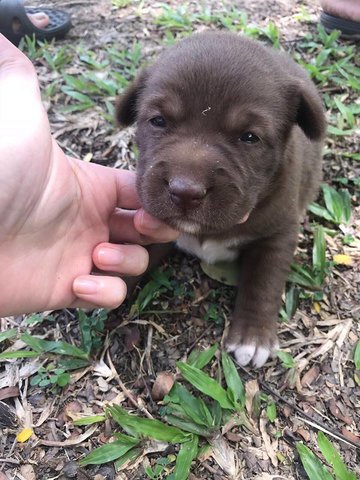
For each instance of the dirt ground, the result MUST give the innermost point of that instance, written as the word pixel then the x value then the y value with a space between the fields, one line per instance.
pixel 320 391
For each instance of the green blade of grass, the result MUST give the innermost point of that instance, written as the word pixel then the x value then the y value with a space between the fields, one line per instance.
pixel 286 359
pixel 125 438
pixel 188 426
pixel 147 427
pixel 188 452
pixel 72 363
pixel 200 359
pixel 80 97
pixel 205 384
pixel 312 465
pixel 321 212
pixel 35 343
pixel 8 334
pixel 90 420
pixel 233 380
pixel 127 458
pixel 345 112
pixel 301 276
pixel 154 287
pixel 194 408
pixel 271 412
pixel 339 132
pixel 357 356
pixel 79 107
pixel 319 254
pixel 292 301
pixel 333 202
pixel 62 348
pixel 107 453
pixel 333 458
pixel 346 205
pixel 18 354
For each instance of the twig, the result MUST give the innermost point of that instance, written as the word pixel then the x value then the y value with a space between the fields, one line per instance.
pixel 148 349
pixel 71 441
pixel 127 392
pixel 332 89
pixel 305 417
pixel 10 460
pixel 188 350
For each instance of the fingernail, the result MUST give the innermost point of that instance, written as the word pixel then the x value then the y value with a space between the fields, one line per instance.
pixel 85 286
pixel 110 257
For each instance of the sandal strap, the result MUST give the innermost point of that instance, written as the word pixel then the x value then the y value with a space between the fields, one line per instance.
pixel 348 28
pixel 10 10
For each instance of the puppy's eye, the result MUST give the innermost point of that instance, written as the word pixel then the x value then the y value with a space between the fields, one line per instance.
pixel 249 137
pixel 158 121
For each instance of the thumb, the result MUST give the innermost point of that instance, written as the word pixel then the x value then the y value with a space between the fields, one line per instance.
pixel 20 99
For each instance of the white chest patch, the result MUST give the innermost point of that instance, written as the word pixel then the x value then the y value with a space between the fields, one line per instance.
pixel 210 251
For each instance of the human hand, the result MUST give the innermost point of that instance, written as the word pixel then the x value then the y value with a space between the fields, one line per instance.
pixel 58 215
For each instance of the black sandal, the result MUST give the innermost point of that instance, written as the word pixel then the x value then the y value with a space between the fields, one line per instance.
pixel 349 29
pixel 15 23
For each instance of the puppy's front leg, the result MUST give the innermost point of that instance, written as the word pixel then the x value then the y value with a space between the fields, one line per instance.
pixel 264 267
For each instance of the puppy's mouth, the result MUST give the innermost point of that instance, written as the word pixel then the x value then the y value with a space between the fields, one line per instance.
pixel 198 228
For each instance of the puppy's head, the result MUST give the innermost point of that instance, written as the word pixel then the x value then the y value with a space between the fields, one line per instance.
pixel 214 116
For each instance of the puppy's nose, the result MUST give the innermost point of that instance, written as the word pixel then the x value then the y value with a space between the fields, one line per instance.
pixel 186 193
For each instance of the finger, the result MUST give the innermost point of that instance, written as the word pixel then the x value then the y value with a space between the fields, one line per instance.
pixel 117 184
pixel 122 259
pixel 122 229
pixel 127 196
pixel 100 291
pixel 137 226
pixel 152 229
pixel 20 94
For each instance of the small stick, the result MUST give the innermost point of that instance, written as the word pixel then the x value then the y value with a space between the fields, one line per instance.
pixel 306 418
pixel 127 392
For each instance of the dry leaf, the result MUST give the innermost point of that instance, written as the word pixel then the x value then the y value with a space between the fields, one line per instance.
pixel 251 388
pixel 350 436
pixel 9 392
pixel 343 260
pixel 234 437
pixel 100 368
pixel 317 307
pixel 28 472
pixel 162 386
pixel 224 456
pixel 311 375
pixel 24 435
pixel 335 410
pixel 270 447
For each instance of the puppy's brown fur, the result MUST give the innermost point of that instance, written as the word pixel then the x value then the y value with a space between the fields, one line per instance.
pixel 230 135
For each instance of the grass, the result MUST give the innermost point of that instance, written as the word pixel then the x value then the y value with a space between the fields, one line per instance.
pixel 209 391
pixel 316 469
pixel 190 421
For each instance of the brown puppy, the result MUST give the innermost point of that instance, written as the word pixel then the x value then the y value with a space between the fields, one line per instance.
pixel 230 135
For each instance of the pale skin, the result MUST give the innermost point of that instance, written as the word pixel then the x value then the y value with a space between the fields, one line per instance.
pixel 348 9
pixel 57 213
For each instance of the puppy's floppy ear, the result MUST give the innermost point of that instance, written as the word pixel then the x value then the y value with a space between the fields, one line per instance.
pixel 127 102
pixel 310 114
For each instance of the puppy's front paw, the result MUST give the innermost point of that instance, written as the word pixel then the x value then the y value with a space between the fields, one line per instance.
pixel 254 346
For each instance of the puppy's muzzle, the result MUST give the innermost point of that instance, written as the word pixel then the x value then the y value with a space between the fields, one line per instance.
pixel 186 193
